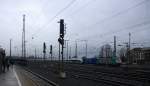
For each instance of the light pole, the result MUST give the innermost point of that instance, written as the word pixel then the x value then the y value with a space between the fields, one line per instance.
pixel 16 50
pixel 70 53
pixel 67 51
pixel 129 45
pixel 114 53
pixel 85 47
pixel 76 46
pixel 66 42
pixel 76 50
pixel 35 54
pixel 10 47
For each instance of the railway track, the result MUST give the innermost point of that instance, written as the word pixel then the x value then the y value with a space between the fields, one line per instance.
pixel 135 76
pixel 105 78
pixel 103 75
pixel 48 82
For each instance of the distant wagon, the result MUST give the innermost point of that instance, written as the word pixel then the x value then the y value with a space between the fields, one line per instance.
pixel 100 61
pixel 89 60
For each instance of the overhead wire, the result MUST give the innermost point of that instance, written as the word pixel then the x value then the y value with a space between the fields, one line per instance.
pixel 115 15
pixel 80 8
pixel 119 13
pixel 133 27
pixel 42 7
pixel 122 12
pixel 127 28
pixel 58 13
pixel 106 19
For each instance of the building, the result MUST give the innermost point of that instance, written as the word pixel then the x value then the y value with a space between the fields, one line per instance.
pixel 139 56
pixel 106 51
pixel 105 55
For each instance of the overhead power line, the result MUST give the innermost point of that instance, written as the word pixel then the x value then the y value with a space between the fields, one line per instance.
pixel 42 7
pixel 119 13
pixel 115 15
pixel 127 28
pixel 123 29
pixel 58 13
pixel 80 8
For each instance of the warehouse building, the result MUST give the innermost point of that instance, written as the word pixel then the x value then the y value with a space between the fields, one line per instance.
pixel 140 55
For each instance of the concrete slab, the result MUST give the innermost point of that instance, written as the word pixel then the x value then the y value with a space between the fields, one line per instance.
pixel 28 79
pixel 24 79
pixel 8 78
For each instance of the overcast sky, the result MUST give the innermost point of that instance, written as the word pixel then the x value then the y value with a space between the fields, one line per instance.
pixel 94 20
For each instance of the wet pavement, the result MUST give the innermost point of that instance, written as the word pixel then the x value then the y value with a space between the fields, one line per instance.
pixel 8 78
pixel 28 79
pixel 16 76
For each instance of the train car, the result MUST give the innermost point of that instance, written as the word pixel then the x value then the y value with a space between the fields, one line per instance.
pixel 89 60
pixel 101 61
pixel 73 61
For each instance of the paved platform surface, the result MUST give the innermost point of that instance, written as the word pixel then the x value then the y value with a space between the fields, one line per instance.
pixel 8 78
pixel 17 76
pixel 23 78
pixel 28 79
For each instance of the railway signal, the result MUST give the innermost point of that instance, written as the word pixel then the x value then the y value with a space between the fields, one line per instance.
pixel 44 49
pixel 61 42
pixel 62 28
pixel 51 51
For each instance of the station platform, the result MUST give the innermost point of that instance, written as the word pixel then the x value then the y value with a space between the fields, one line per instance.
pixel 9 78
pixel 17 76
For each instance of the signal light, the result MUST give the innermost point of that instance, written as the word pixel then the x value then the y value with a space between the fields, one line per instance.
pixel 61 28
pixel 61 41
pixel 51 49
pixel 44 47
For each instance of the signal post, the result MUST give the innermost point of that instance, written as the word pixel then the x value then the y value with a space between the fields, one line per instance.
pixel 61 42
